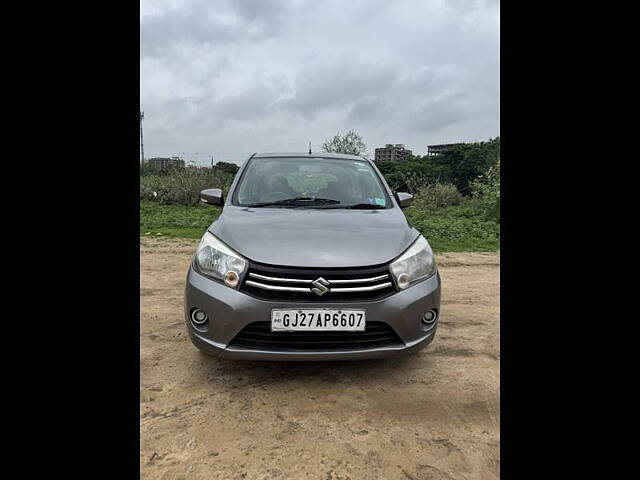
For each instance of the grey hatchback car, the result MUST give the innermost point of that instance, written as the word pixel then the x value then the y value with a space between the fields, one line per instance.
pixel 311 258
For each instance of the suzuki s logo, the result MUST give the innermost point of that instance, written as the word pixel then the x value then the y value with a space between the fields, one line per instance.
pixel 320 286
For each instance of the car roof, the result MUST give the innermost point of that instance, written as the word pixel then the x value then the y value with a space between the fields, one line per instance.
pixel 306 154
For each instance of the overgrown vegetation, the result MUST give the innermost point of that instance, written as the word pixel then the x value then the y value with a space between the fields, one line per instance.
pixel 456 197
pixel 157 219
pixel 486 192
pixel 459 166
pixel 182 185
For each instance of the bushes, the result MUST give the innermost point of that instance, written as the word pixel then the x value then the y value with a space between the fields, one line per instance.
pixel 411 175
pixel 486 192
pixel 452 222
pixel 460 165
pixel 182 186
pixel 438 195
pixel 176 220
pixel 453 233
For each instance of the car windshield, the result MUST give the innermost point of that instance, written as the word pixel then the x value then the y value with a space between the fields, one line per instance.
pixel 312 182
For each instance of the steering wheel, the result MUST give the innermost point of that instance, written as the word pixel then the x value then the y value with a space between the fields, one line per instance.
pixel 275 196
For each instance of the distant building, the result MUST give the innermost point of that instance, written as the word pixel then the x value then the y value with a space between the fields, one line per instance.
pixel 162 163
pixel 442 148
pixel 392 153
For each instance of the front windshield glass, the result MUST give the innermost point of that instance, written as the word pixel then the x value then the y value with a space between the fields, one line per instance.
pixel 310 181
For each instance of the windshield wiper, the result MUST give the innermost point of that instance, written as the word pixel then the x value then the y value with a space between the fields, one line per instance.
pixel 357 206
pixel 365 206
pixel 295 202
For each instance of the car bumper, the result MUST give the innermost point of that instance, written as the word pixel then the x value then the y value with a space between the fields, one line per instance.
pixel 229 311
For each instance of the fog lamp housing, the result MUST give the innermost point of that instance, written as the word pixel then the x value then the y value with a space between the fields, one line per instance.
pixel 199 317
pixel 429 317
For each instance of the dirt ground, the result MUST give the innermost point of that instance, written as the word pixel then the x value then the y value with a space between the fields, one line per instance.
pixel 434 415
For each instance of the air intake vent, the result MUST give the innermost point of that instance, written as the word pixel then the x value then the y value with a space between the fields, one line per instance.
pixel 258 336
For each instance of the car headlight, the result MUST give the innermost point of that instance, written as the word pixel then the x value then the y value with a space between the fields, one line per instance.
pixel 416 264
pixel 214 259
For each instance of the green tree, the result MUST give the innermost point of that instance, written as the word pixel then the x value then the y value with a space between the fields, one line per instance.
pixel 464 163
pixel 350 143
pixel 227 167
pixel 459 166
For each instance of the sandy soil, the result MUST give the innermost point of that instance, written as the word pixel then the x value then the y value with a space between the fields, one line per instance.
pixel 434 415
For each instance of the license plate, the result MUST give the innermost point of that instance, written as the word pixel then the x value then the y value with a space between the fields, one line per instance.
pixel 346 320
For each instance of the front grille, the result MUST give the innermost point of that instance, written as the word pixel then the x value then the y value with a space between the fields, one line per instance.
pixel 303 284
pixel 258 336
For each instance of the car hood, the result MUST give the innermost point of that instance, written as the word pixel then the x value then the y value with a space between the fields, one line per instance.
pixel 317 238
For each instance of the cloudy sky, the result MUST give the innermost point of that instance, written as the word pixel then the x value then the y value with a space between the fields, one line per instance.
pixel 230 77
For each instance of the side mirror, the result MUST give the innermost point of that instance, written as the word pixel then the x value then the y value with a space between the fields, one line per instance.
pixel 404 199
pixel 212 196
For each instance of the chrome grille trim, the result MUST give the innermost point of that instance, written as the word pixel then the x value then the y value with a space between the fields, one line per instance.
pixel 302 280
pixel 279 279
pixel 369 288
pixel 359 280
pixel 315 284
pixel 276 287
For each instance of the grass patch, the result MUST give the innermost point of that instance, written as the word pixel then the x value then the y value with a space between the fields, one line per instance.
pixel 177 221
pixel 457 228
